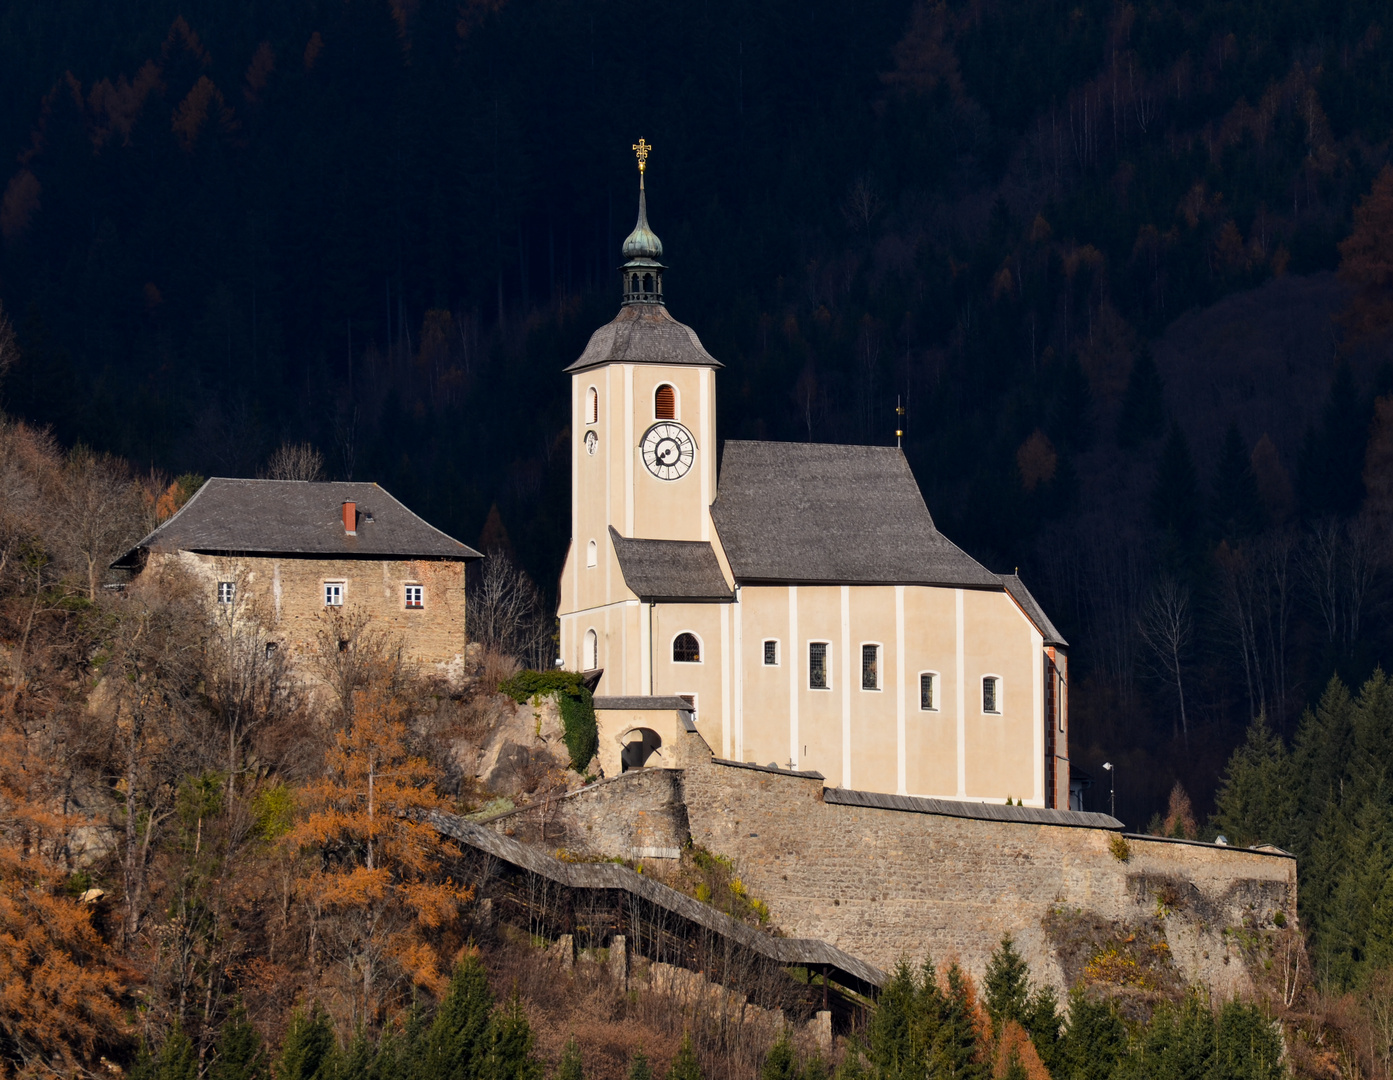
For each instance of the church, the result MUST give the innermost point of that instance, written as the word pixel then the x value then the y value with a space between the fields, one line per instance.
pixel 793 603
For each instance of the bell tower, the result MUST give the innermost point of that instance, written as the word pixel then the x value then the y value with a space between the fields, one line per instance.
pixel 643 444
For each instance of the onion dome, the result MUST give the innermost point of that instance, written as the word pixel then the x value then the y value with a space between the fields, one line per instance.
pixel 642 273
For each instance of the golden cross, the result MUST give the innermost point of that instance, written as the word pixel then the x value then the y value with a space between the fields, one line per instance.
pixel 641 149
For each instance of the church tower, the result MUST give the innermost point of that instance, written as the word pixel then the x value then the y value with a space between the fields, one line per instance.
pixel 643 455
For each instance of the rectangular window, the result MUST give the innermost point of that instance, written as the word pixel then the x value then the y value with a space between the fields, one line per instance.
pixel 926 692
pixel 870 667
pixel 991 694
pixel 333 594
pixel 771 654
pixel 414 596
pixel 817 665
pixel 227 590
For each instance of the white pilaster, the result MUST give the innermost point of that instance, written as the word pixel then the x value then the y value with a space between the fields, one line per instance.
pixel 961 680
pixel 900 689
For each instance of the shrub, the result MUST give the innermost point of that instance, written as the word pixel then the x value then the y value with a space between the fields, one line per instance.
pixel 1120 848
pixel 576 704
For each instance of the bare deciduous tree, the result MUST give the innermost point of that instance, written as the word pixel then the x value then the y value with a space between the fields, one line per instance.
pixel 100 512
pixel 506 614
pixel 1166 625
pixel 1256 602
pixel 1338 565
pixel 295 461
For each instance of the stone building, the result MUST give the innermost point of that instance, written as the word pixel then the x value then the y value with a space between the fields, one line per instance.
pixel 798 596
pixel 301 554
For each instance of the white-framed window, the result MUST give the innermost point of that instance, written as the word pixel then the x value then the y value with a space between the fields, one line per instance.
pixel 227 592
pixel 592 553
pixel 991 694
pixel 592 406
pixel 686 648
pixel 819 665
pixel 333 593
pixel 665 402
pixel 870 666
pixel 928 691
pixel 415 596
pixel 590 655
pixel 771 652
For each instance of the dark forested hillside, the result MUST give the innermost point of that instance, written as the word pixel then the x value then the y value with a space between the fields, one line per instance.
pixel 384 227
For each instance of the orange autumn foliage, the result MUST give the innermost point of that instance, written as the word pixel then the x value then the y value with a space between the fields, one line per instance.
pixel 59 987
pixel 380 900
pixel 1015 1047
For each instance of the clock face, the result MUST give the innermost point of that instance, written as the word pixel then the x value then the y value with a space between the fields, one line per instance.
pixel 592 443
pixel 668 450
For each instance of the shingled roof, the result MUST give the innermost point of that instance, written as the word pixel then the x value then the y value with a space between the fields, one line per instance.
pixel 811 512
pixel 1033 611
pixel 644 334
pixel 670 569
pixel 296 517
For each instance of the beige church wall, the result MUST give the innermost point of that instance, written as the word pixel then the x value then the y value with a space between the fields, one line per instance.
pixel 764 723
pixel 674 509
pixel 875 752
pixel 1001 750
pixel 710 623
pixel 820 711
pixel 287 595
pixel 931 738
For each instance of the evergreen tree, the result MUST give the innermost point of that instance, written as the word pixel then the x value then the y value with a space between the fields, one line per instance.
pixel 1094 1041
pixel 1007 984
pixel 457 1041
pixel 177 1059
pixel 781 1063
pixel 1256 798
pixel 685 1066
pixel 1246 1045
pixel 570 1067
pixel 1143 414
pixel 1236 507
pixel 510 1042
pixel 1175 499
pixel 240 1055
pixel 639 1069
pixel 308 1051
pixel 956 1052
pixel 896 1037
pixel 1044 1024
pixel 1178 1044
pixel 359 1059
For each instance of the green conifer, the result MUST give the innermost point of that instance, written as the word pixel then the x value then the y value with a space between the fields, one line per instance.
pixel 240 1055
pixel 955 1050
pixel 308 1051
pixel 457 1042
pixel 510 1043
pixel 685 1065
pixel 639 1069
pixel 781 1063
pixel 571 1067
pixel 1094 1041
pixel 1044 1024
pixel 177 1059
pixel 1256 801
pixel 1246 1046
pixel 1007 984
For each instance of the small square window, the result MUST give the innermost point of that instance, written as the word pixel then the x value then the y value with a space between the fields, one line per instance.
pixel 227 592
pixel 817 665
pixel 771 653
pixel 927 690
pixel 414 596
pixel 991 694
pixel 870 667
pixel 333 594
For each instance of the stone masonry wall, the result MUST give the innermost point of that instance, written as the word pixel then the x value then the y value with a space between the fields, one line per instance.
pixel 889 884
pixel 288 594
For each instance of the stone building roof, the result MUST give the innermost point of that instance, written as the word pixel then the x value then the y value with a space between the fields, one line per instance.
pixel 981 811
pixel 297 517
pixel 670 569
pixel 1033 611
pixel 644 334
pixel 811 512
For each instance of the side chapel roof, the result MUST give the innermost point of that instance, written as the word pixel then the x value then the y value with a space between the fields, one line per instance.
pixel 814 512
pixel 670 569
pixel 1033 611
pixel 297 517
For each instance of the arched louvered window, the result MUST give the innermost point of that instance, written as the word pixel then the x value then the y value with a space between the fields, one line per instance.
pixel 686 649
pixel 591 657
pixel 665 403
pixel 592 406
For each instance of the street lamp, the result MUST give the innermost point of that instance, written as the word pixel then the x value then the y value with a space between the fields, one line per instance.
pixel 1112 787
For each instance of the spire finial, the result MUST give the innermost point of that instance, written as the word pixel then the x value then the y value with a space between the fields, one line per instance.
pixel 642 273
pixel 641 149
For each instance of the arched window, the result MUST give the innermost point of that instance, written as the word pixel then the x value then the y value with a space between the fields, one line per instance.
pixel 665 403
pixel 686 649
pixel 592 554
pixel 648 283
pixel 633 283
pixel 591 658
pixel 592 406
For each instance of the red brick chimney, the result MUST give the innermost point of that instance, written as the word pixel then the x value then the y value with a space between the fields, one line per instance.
pixel 350 518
